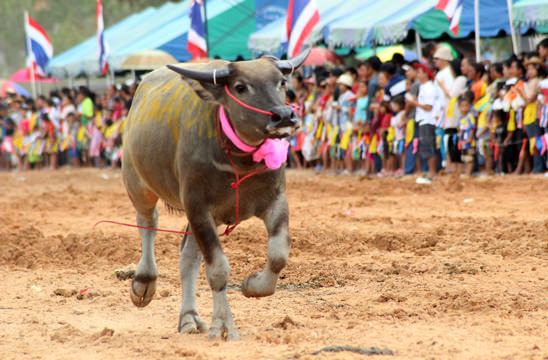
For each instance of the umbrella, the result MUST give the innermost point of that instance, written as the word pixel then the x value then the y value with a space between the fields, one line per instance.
pixel 319 56
pixel 385 53
pixel 7 86
pixel 23 76
pixel 147 60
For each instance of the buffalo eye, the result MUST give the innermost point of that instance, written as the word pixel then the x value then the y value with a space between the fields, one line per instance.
pixel 283 83
pixel 240 88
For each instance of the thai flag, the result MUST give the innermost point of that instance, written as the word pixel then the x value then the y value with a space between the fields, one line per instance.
pixel 197 44
pixel 302 16
pixel 453 10
pixel 101 42
pixel 39 46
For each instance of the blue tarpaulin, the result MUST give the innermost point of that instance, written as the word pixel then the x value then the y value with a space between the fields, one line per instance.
pixel 166 28
pixel 271 37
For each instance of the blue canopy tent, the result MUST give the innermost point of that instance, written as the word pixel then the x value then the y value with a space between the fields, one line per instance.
pixel 66 63
pixel 493 18
pixel 358 29
pixel 269 39
pixel 119 37
pixel 165 28
pixel 378 24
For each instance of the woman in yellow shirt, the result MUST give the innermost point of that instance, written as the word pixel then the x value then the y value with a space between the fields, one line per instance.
pixel 529 93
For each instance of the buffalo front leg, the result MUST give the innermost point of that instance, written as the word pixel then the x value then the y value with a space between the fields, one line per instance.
pixel 217 271
pixel 276 220
pixel 189 266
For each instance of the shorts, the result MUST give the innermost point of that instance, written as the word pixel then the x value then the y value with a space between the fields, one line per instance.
pixel 398 147
pixel 453 145
pixel 467 155
pixel 385 144
pixel 532 130
pixel 74 153
pixel 427 141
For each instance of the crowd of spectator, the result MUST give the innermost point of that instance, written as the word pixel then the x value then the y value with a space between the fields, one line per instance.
pixel 74 127
pixel 436 113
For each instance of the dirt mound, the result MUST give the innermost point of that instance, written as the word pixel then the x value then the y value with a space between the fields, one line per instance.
pixel 29 248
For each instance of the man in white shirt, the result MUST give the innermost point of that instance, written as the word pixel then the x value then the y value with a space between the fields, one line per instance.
pixel 426 119
pixel 444 77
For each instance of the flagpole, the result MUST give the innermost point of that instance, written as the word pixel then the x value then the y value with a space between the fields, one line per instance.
pixel 29 51
pixel 515 45
pixel 418 44
pixel 206 29
pixel 477 30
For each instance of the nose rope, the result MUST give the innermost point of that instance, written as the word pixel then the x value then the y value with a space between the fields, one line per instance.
pixel 294 107
pixel 247 106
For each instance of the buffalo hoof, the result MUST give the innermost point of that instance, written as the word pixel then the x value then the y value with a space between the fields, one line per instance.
pixel 222 329
pixel 141 292
pixel 190 323
pixel 258 285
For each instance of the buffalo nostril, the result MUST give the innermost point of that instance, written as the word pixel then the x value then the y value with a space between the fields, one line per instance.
pixel 275 118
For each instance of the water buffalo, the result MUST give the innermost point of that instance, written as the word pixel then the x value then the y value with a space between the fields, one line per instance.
pixel 174 151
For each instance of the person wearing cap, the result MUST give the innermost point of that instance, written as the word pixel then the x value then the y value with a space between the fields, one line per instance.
pixel 426 119
pixel 344 122
pixel 444 78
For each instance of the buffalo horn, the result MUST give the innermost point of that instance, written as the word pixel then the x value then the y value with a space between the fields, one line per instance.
pixel 288 66
pixel 216 76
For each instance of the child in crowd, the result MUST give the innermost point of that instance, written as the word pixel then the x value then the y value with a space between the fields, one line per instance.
pixel 499 135
pixel 398 124
pixel 467 130
pixel 343 106
pixel 360 119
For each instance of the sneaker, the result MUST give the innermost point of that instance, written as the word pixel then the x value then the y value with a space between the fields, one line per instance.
pixel 424 180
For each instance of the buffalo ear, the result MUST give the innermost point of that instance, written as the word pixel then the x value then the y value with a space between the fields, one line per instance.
pixel 207 83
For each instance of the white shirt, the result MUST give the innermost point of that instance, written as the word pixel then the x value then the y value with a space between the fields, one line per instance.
pixel 395 122
pixel 427 96
pixel 446 76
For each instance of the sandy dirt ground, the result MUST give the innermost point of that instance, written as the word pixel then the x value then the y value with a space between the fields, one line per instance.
pixel 456 270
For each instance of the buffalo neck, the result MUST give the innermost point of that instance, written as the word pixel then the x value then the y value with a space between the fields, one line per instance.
pixel 230 152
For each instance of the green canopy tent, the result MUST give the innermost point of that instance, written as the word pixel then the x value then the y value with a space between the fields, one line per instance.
pixel 531 14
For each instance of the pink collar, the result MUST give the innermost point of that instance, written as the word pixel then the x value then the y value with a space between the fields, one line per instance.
pixel 272 151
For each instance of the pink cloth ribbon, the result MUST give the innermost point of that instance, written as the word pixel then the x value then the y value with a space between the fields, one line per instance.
pixel 272 151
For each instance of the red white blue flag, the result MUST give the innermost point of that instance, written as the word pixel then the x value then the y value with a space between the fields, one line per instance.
pixel 302 16
pixel 39 46
pixel 197 44
pixel 101 42
pixel 453 10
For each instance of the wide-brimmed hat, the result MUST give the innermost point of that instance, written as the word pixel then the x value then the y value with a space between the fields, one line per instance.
pixel 443 53
pixel 534 60
pixel 345 79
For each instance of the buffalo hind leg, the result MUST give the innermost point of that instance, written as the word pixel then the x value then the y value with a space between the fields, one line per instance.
pixel 189 266
pixel 143 285
pixel 276 220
